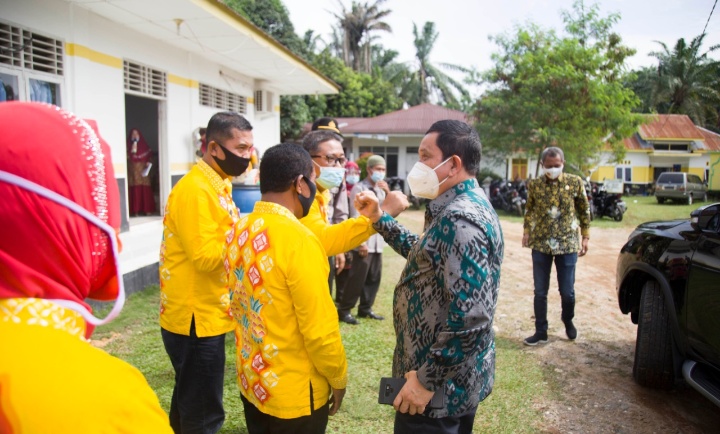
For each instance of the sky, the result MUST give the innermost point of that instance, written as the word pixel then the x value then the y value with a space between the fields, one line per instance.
pixel 464 25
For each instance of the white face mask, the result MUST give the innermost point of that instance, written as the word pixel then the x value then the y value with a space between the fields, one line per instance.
pixel 87 215
pixel 553 172
pixel 423 180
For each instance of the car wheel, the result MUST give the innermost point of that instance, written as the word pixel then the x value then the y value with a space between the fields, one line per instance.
pixel 661 200
pixel 653 365
pixel 689 199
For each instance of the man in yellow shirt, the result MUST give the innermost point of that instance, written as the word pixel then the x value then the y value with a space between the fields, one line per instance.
pixel 194 300
pixel 328 157
pixel 291 365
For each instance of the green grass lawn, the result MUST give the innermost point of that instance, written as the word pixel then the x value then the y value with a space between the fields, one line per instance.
pixel 640 209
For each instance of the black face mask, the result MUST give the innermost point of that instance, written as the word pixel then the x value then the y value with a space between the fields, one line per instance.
pixel 306 202
pixel 232 164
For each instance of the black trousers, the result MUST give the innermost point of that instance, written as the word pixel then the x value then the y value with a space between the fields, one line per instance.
pixel 363 282
pixel 461 424
pixel 261 423
pixel 199 364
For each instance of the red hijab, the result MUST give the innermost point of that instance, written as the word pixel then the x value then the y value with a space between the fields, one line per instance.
pixel 46 250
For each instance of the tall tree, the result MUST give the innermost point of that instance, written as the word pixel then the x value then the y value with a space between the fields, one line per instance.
pixel 687 81
pixel 357 27
pixel 547 90
pixel 428 83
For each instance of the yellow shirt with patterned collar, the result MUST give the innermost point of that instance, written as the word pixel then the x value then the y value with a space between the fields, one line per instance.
pixel 338 238
pixel 199 217
pixel 555 211
pixel 287 333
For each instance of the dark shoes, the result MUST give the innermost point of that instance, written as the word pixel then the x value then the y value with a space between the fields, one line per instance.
pixel 371 315
pixel 570 330
pixel 537 338
pixel 348 318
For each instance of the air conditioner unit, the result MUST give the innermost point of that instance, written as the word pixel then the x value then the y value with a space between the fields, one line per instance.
pixel 263 101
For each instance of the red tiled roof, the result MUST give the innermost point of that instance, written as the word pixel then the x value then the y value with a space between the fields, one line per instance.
pixel 669 127
pixel 414 120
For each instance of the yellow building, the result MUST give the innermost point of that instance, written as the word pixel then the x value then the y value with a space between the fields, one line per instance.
pixel 668 143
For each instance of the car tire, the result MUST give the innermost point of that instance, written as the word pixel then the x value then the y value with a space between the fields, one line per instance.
pixel 689 199
pixel 661 200
pixel 653 365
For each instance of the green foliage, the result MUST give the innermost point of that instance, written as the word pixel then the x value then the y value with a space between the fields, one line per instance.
pixel 547 90
pixel 686 81
pixel 429 83
pixel 361 96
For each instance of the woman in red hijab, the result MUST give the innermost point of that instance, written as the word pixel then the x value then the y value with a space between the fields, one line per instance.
pixel 58 246
pixel 142 200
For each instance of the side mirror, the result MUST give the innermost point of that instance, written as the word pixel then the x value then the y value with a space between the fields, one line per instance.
pixel 706 217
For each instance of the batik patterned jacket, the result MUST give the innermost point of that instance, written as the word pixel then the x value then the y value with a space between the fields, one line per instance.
pixel 554 213
pixel 445 301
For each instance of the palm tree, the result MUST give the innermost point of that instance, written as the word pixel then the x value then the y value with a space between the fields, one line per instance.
pixel 687 82
pixel 429 82
pixel 357 27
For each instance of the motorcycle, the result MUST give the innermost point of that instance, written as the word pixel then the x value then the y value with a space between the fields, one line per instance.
pixel 505 196
pixel 607 204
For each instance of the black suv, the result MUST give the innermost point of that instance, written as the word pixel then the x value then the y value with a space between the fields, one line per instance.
pixel 668 280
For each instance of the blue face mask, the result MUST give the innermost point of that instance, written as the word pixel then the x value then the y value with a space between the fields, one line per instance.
pixel 377 176
pixel 352 179
pixel 330 177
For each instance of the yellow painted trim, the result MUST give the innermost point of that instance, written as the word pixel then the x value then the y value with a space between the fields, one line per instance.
pixel 672 139
pixel 251 100
pixel 182 81
pixel 181 167
pixel 78 50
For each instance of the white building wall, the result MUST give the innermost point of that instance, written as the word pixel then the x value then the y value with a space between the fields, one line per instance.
pixel 92 87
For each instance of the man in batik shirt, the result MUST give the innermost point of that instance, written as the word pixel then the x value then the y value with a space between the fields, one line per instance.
pixel 445 301
pixel 557 206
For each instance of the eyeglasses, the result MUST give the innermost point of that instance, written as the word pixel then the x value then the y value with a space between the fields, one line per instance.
pixel 332 160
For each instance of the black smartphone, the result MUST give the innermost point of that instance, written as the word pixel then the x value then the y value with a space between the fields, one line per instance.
pixel 390 387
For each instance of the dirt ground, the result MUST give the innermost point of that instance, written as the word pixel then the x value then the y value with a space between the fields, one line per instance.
pixel 596 393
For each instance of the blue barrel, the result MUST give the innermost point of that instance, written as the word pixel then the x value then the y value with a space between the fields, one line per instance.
pixel 245 197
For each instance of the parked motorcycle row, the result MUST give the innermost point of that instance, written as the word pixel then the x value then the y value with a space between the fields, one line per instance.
pixel 511 197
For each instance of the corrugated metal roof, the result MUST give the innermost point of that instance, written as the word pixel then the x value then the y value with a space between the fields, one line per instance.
pixel 669 128
pixel 712 140
pixel 672 128
pixel 414 120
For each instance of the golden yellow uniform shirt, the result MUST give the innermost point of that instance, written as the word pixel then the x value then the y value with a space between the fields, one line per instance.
pixel 287 332
pixel 199 217
pixel 337 238
pixel 53 381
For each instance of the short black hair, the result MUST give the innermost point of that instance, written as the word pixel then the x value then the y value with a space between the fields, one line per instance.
pixel 458 138
pixel 312 140
pixel 221 125
pixel 281 165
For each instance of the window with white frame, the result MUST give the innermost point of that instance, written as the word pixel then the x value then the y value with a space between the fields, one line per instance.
pixel 624 173
pixel 31 65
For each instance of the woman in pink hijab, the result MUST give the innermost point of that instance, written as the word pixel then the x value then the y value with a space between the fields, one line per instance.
pixel 58 247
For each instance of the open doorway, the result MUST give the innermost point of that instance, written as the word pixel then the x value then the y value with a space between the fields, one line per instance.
pixel 143 156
